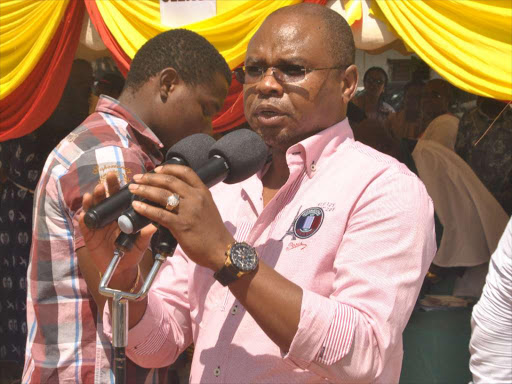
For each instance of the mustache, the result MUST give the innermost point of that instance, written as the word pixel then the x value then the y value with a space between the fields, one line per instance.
pixel 276 105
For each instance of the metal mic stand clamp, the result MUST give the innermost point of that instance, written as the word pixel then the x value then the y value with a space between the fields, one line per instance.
pixel 166 246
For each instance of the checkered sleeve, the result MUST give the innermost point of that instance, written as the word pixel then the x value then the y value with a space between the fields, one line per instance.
pixel 91 169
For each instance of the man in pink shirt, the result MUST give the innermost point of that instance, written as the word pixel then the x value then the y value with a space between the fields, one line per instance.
pixel 338 236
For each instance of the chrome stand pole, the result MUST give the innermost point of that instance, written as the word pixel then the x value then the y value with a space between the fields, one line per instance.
pixel 166 246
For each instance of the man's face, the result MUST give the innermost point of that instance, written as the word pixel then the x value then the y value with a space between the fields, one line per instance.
pixel 190 110
pixel 286 113
pixel 434 101
pixel 375 82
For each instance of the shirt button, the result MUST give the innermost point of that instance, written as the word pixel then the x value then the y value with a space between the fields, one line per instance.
pixel 234 310
pixel 313 167
pixel 216 372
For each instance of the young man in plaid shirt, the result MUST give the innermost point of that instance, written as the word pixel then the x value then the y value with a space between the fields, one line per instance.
pixel 176 84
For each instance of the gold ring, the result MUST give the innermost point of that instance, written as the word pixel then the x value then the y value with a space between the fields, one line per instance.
pixel 172 202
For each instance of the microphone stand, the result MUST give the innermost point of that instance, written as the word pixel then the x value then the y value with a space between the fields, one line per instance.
pixel 166 246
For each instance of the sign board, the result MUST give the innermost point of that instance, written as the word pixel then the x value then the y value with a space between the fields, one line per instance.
pixel 177 13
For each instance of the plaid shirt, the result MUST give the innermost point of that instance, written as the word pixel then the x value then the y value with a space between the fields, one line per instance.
pixel 65 340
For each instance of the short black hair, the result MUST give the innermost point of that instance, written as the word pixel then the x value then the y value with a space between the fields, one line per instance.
pixel 339 35
pixel 193 57
pixel 376 69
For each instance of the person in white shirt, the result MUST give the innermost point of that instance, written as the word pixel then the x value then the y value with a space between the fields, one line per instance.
pixel 491 322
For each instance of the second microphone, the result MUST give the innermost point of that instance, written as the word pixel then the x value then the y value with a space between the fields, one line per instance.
pixel 234 158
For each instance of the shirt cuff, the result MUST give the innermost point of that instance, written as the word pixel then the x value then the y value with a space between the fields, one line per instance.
pixel 149 334
pixel 316 315
pixel 339 338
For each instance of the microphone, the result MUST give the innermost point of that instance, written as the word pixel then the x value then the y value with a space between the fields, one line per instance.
pixel 234 158
pixel 191 151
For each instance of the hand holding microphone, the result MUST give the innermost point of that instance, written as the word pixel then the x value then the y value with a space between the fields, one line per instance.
pixel 191 151
pixel 196 222
pixel 98 221
pixel 101 242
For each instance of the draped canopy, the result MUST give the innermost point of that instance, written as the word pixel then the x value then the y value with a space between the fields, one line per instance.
pixel 468 42
pixel 38 41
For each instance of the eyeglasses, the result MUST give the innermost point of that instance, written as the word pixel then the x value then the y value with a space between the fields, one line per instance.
pixel 286 73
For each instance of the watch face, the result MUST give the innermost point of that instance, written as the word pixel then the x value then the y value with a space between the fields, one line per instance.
pixel 244 257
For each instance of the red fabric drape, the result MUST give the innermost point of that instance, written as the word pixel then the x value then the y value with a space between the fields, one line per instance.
pixel 32 103
pixel 321 2
pixel 232 114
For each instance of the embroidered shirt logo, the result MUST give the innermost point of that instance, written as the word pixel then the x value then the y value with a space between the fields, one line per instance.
pixel 308 222
pixel 123 173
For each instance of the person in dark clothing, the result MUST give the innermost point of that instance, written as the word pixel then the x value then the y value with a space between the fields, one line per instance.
pixel 491 157
pixel 22 161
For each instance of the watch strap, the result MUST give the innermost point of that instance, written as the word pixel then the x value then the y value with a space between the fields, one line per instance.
pixel 226 275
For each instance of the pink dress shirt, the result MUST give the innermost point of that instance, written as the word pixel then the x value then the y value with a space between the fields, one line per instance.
pixel 351 226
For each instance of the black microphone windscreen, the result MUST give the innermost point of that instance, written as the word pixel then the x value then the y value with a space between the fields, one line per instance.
pixel 244 151
pixel 193 149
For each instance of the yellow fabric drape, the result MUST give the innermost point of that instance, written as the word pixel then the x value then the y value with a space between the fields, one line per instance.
pixel 354 10
pixel 132 23
pixel 26 29
pixel 468 42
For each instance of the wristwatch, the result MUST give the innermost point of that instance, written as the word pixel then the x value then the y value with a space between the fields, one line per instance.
pixel 241 259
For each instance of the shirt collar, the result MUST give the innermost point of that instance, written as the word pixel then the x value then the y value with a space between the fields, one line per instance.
pixel 113 107
pixel 319 146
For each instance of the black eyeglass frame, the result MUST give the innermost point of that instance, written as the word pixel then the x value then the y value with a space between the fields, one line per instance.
pixel 277 72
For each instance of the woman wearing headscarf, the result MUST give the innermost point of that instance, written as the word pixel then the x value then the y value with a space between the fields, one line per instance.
pixel 472 218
